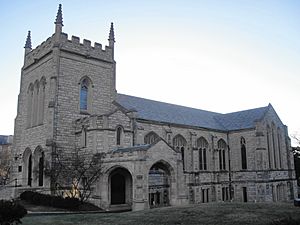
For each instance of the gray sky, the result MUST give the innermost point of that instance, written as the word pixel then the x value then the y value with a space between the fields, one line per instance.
pixel 215 55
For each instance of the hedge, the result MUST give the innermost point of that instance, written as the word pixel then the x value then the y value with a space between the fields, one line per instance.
pixel 50 200
pixel 11 212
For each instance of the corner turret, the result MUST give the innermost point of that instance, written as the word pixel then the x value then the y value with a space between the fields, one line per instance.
pixel 58 23
pixel 27 46
pixel 111 38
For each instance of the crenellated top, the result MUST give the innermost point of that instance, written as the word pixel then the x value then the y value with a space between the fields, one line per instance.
pixel 86 49
pixel 73 45
pixel 60 40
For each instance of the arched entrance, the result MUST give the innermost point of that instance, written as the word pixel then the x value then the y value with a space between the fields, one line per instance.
pixel 120 187
pixel 159 181
pixel 38 165
pixel 27 165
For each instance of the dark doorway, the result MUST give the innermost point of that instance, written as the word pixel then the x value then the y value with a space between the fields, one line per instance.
pixel 120 181
pixel 29 175
pixel 118 189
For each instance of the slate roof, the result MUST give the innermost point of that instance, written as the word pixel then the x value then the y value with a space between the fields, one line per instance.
pixel 3 139
pixel 169 113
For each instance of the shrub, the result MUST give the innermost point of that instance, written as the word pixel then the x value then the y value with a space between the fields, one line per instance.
pixel 49 200
pixel 11 212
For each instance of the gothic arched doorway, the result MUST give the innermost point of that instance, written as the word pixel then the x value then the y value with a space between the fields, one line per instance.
pixel 120 187
pixel 159 181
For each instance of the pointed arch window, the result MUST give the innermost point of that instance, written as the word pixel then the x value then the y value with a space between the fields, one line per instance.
pixel 179 143
pixel 243 153
pixel 222 156
pixel 274 145
pixel 34 119
pixel 29 104
pixel 269 145
pixel 202 146
pixel 41 170
pixel 41 101
pixel 119 135
pixel 279 147
pixel 151 137
pixel 84 95
pixel 29 170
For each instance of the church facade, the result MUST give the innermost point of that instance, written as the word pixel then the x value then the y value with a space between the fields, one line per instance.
pixel 155 153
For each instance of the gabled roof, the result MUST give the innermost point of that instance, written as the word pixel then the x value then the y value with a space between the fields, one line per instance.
pixel 169 113
pixel 242 119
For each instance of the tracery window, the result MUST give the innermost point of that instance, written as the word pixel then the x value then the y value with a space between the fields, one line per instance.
pixel 36 103
pixel 243 153
pixel 222 156
pixel 151 137
pixel 202 146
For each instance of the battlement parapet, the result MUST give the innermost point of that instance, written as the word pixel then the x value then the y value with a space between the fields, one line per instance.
pixel 85 48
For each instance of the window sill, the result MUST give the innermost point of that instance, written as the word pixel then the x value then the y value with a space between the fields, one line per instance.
pixel 84 112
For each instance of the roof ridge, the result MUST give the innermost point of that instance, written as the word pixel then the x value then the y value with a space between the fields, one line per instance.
pixel 245 110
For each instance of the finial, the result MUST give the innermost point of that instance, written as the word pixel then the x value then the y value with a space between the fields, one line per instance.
pixel 59 18
pixel 28 41
pixel 111 37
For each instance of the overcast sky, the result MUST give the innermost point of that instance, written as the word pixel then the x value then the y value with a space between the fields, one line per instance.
pixel 216 55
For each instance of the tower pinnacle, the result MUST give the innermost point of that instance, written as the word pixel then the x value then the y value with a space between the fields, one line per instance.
pixel 28 41
pixel 111 38
pixel 59 18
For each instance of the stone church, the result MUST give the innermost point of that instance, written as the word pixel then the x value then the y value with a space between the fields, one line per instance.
pixel 156 153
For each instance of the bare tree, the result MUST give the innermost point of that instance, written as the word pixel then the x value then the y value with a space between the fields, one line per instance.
pixel 76 176
pixel 5 159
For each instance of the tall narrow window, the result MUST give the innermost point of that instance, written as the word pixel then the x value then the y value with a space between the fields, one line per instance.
pixel 119 135
pixel 202 146
pixel 274 146
pixel 83 97
pixel 279 147
pixel 34 107
pixel 243 153
pixel 182 156
pixel 29 104
pixel 29 171
pixel 222 154
pixel 245 196
pixel 179 143
pixel 269 146
pixel 41 104
pixel 41 170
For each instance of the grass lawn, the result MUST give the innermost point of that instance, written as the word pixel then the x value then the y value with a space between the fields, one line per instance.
pixel 209 213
